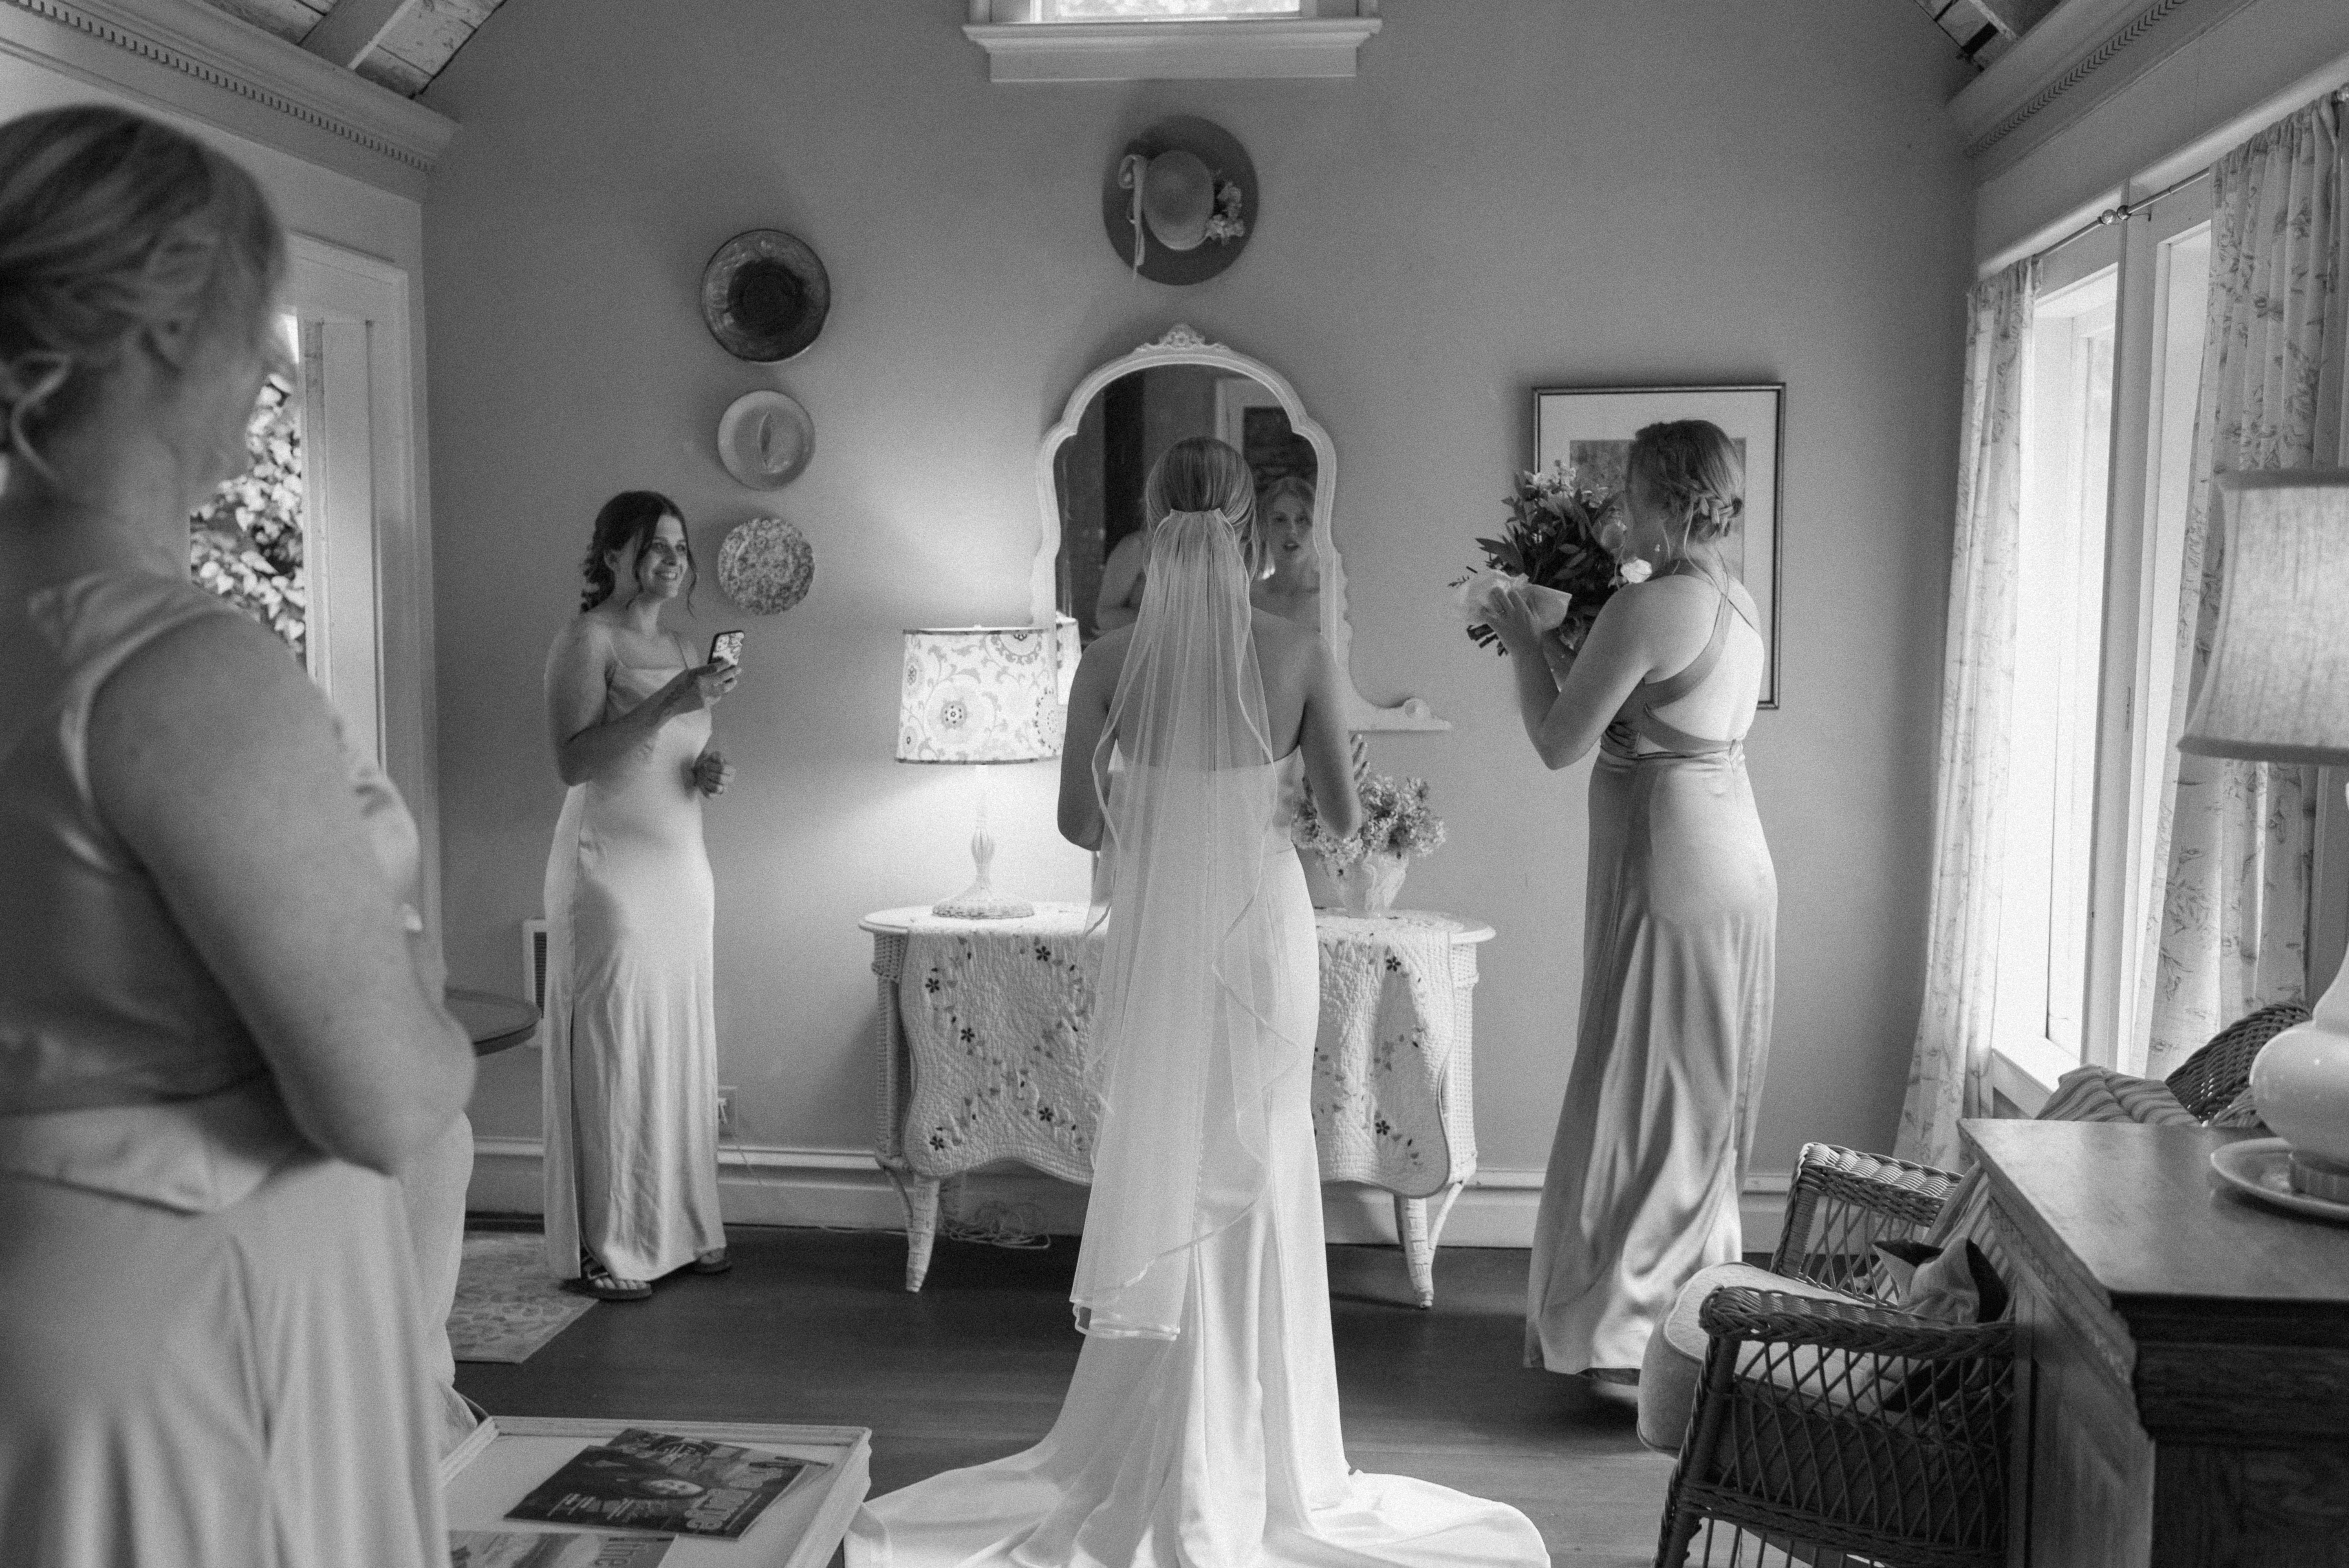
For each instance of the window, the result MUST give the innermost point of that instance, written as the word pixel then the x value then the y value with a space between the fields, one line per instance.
pixel 2146 647
pixel 2113 369
pixel 316 539
pixel 1169 40
pixel 246 542
pixel 1167 10
pixel 2067 405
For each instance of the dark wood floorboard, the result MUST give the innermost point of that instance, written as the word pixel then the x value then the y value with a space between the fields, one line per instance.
pixel 815 1326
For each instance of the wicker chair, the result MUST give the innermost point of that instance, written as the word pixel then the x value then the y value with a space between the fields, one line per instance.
pixel 2212 1077
pixel 1842 1433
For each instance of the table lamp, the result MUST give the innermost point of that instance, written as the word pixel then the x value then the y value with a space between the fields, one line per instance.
pixel 2277 690
pixel 981 694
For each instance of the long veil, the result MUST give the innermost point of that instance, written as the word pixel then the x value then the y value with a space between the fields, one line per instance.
pixel 1185 1053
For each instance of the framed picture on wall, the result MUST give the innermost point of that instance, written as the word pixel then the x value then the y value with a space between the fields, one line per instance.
pixel 1589 430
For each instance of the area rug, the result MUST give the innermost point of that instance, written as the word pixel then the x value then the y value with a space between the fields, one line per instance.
pixel 507 1305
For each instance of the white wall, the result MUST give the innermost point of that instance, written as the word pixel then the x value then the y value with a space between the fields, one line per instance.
pixel 1513 194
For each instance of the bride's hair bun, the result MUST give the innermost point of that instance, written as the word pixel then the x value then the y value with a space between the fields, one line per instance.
pixel 1693 465
pixel 1199 473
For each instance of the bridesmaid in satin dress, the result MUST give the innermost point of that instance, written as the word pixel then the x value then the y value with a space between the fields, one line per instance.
pixel 222 1043
pixel 1680 924
pixel 631 1083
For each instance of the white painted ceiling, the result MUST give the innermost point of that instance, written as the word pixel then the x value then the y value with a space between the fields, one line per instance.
pixel 423 35
pixel 410 52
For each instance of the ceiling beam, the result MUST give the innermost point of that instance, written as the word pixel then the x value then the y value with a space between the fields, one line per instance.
pixel 352 28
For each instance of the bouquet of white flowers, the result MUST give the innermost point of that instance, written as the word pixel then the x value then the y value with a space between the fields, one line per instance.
pixel 1561 546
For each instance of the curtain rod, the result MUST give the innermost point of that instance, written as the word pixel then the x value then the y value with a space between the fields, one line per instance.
pixel 2120 214
pixel 2128 209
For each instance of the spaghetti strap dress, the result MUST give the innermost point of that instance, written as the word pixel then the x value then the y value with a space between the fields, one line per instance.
pixel 211 1349
pixel 1679 939
pixel 631 1075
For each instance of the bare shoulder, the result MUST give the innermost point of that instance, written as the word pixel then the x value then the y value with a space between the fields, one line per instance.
pixel 211 689
pixel 587 639
pixel 586 630
pixel 1284 647
pixel 1666 593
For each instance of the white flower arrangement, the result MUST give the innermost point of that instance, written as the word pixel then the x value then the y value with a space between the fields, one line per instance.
pixel 1397 820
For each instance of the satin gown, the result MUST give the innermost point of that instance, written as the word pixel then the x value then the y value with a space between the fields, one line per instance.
pixel 211 1352
pixel 1680 938
pixel 631 1078
pixel 1221 1448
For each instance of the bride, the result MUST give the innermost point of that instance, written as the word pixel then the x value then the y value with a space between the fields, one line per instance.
pixel 1201 1427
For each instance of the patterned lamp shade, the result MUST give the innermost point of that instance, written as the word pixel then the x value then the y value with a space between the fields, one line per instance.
pixel 2277 686
pixel 981 693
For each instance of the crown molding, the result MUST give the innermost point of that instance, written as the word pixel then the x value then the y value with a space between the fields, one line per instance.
pixel 214 67
pixel 2083 53
pixel 1170 51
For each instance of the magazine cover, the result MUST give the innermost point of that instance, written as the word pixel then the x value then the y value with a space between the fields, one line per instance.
pixel 653 1480
pixel 554 1549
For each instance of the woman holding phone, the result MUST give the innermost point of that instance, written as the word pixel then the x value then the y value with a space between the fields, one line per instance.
pixel 631 1084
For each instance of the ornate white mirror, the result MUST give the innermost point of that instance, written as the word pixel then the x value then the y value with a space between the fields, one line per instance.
pixel 1089 472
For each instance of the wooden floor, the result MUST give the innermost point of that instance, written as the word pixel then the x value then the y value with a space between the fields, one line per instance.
pixel 815 1326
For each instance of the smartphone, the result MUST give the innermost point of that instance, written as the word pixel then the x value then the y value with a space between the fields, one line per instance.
pixel 726 648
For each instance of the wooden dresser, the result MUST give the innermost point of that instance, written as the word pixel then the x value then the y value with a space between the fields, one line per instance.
pixel 2186 1393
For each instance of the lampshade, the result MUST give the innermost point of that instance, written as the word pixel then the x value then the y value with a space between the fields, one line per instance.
pixel 980 694
pixel 2277 686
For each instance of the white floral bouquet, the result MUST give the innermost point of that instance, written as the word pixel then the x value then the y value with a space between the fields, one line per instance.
pixel 1562 545
pixel 1397 820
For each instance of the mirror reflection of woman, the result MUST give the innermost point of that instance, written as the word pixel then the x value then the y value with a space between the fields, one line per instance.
pixel 1119 602
pixel 631 1084
pixel 1680 938
pixel 1290 586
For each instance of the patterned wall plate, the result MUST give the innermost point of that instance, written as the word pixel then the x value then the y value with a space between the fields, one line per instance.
pixel 766 565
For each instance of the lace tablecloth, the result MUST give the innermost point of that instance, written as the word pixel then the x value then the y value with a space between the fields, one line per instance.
pixel 984 1054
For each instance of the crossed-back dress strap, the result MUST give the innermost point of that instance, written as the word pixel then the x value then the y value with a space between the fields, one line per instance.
pixel 1640 713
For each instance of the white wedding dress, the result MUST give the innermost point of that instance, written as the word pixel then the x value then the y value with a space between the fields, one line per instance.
pixel 1201 1427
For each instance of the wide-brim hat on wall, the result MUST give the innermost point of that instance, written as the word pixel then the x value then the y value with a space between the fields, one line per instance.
pixel 1182 193
pixel 765 439
pixel 765 296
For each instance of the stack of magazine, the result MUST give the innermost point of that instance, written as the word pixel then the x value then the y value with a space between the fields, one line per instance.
pixel 654 1486
pixel 554 1549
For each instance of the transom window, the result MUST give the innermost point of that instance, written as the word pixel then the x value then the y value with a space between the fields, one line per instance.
pixel 1167 10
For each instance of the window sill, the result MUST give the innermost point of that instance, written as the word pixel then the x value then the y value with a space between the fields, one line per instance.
pixel 1170 51
pixel 2022 1073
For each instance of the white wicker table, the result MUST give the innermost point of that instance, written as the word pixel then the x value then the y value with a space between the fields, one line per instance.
pixel 980 1041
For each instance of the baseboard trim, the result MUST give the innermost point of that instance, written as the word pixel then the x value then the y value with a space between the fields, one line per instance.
pixel 768 1184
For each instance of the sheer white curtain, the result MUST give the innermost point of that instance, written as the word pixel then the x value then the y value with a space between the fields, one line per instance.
pixel 1953 1030
pixel 2237 838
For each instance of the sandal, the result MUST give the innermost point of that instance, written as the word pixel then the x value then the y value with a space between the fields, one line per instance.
pixel 713 1261
pixel 599 1282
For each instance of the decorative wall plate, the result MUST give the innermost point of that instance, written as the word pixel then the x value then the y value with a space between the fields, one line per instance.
pixel 765 296
pixel 765 439
pixel 766 565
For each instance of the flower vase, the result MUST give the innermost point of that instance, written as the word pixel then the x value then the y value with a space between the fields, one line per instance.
pixel 1369 885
